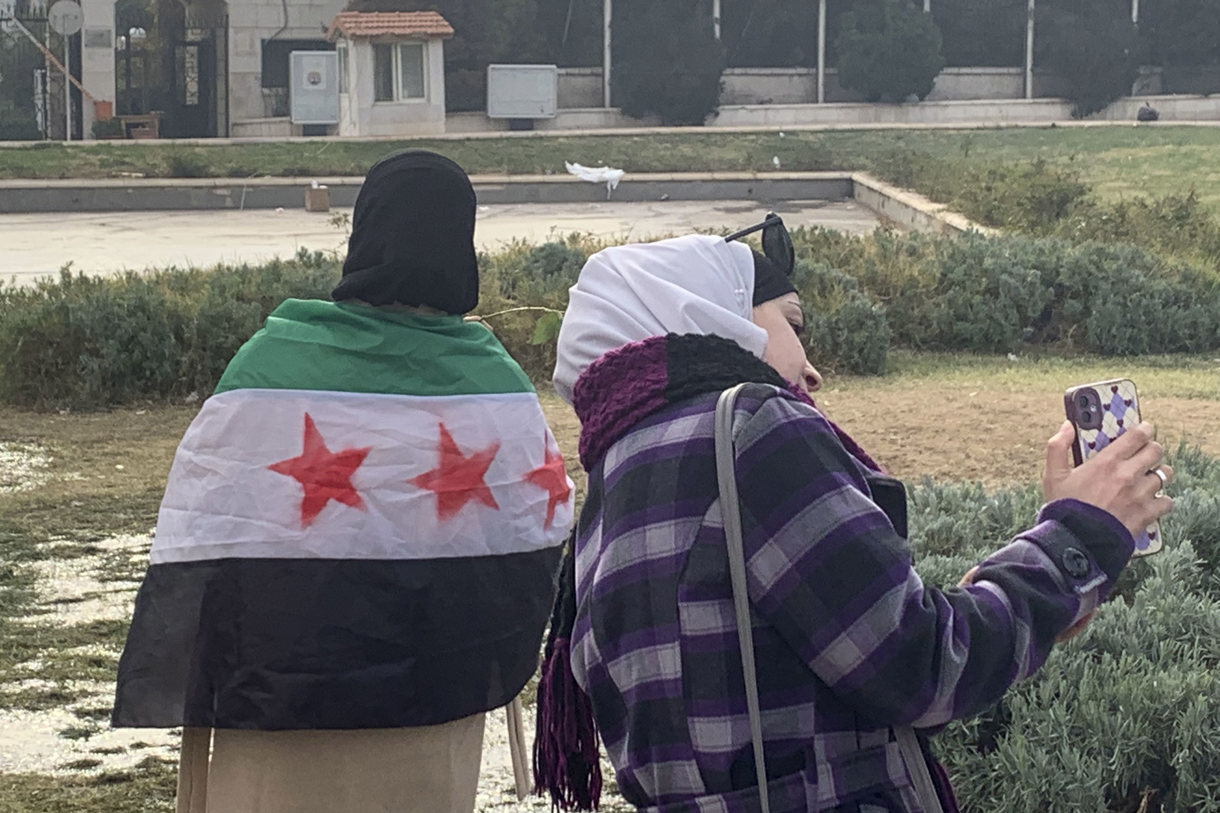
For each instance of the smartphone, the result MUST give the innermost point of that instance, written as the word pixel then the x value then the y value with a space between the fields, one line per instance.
pixel 1102 412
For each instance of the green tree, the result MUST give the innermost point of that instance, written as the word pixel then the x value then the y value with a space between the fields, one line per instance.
pixel 667 61
pixel 888 50
pixel 1182 32
pixel 573 31
pixel 982 34
pixel 1093 46
pixel 769 33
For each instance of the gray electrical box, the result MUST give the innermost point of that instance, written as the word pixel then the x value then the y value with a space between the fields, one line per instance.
pixel 522 91
pixel 313 87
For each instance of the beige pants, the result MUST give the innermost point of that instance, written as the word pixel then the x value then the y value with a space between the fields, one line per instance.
pixel 434 769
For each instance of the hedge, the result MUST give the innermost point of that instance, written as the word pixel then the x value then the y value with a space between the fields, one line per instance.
pixel 1123 718
pixel 86 342
pixel 1127 711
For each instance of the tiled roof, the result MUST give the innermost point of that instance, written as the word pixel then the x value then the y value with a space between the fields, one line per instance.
pixel 363 24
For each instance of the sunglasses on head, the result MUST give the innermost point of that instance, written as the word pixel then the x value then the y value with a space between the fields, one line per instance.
pixel 776 242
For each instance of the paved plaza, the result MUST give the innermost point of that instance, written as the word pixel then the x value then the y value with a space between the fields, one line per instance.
pixel 34 245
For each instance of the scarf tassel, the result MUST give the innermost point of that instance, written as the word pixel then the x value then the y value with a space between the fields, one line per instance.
pixel 567 762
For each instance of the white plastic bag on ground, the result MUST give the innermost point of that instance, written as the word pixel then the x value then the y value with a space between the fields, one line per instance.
pixel 607 175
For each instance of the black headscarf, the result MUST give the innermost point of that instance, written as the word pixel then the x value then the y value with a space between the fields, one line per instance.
pixel 769 281
pixel 412 237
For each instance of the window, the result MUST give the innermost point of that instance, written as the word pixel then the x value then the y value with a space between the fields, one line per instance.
pixel 342 53
pixel 411 70
pixel 383 73
pixel 399 72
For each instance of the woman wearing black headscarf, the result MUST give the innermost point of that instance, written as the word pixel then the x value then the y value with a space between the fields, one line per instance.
pixel 354 555
pixel 412 237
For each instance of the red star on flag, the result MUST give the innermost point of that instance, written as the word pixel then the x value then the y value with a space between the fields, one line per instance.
pixel 458 479
pixel 553 477
pixel 324 474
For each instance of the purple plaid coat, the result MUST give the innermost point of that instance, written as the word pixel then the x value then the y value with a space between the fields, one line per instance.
pixel 849 641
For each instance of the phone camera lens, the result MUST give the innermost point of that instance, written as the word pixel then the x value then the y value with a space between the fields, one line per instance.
pixel 1083 402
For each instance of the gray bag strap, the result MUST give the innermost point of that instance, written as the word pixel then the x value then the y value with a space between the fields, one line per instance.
pixel 917 768
pixel 730 510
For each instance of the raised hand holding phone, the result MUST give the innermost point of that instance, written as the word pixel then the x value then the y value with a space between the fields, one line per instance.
pixel 1117 473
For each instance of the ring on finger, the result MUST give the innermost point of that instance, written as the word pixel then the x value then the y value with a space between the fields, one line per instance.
pixel 1164 478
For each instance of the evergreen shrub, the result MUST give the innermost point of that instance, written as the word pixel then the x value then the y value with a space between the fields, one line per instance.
pixel 537 279
pixel 996 293
pixel 1093 46
pixel 1125 712
pixel 888 50
pixel 1031 197
pixel 1046 200
pixel 90 342
pixel 845 331
pixel 667 61
pixel 1174 225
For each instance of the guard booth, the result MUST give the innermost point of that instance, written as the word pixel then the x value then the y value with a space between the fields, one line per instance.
pixel 391 72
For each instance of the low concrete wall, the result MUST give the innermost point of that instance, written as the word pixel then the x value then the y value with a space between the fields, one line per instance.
pixel 909 210
pixel 769 86
pixel 847 113
pixel 996 112
pixel 590 118
pixel 180 194
pixel 648 187
pixel 264 128
pixel 965 84
pixel 744 86
pixel 269 193
pixel 580 87
pixel 902 208
pixel 1172 108
pixel 906 210
pixel 986 112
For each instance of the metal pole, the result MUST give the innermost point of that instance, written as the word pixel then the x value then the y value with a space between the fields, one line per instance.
pixel 927 6
pixel 127 67
pixel 67 88
pixel 607 13
pixel 1029 51
pixel 716 18
pixel 821 51
pixel 1135 12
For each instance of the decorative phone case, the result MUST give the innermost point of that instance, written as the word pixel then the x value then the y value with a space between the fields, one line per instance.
pixel 1120 411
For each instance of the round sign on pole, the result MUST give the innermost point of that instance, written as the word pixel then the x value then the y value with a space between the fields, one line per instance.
pixel 66 17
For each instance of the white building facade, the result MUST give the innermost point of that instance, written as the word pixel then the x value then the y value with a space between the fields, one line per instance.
pixel 262 33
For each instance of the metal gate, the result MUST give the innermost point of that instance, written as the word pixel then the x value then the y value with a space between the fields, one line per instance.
pixel 135 68
pixel 199 78
pixel 31 86
pixel 173 65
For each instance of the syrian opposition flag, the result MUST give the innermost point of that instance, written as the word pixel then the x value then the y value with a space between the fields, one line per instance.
pixel 360 530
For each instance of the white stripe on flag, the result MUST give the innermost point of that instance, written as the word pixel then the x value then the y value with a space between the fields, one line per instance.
pixel 223 499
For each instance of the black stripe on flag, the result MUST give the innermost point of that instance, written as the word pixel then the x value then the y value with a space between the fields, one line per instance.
pixel 271 644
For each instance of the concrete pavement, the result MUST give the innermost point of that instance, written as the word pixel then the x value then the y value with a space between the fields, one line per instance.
pixel 33 245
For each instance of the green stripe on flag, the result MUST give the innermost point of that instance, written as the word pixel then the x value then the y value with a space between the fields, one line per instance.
pixel 309 344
